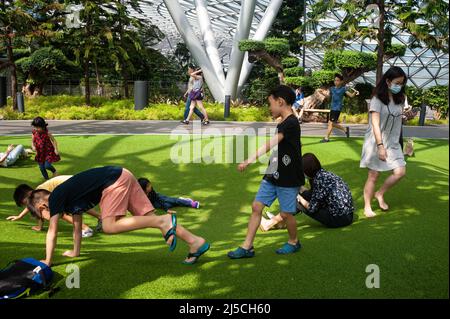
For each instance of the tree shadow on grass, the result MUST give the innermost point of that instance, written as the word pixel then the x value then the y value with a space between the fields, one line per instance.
pixel 331 263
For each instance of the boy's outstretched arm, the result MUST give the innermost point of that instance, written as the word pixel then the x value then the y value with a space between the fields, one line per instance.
pixel 352 94
pixel 52 234
pixel 261 151
pixel 20 216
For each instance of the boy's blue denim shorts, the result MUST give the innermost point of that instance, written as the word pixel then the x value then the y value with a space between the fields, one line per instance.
pixel 287 196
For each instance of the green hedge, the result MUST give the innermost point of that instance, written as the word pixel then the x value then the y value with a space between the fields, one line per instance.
pixel 269 72
pixel 63 107
pixel 72 108
pixel 295 71
pixel 316 80
pixel 396 50
pixel 322 78
pixel 251 45
pixel 289 62
pixel 435 97
pixel 275 46
pixel 340 59
pixel 298 81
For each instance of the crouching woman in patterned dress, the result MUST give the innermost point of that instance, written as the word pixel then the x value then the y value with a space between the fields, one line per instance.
pixel 329 201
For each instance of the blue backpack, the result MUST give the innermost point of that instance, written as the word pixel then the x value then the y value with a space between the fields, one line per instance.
pixel 24 277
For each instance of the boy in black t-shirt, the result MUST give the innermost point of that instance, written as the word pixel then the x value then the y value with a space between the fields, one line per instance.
pixel 283 177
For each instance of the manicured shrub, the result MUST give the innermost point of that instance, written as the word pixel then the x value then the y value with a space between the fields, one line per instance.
pixel 295 71
pixel 289 62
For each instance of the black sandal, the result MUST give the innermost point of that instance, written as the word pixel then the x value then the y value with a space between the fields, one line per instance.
pixel 184 122
pixel 206 122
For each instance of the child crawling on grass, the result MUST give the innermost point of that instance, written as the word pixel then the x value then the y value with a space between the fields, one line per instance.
pixel 116 191
pixel 21 196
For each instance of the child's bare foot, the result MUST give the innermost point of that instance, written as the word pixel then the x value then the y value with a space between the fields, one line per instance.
pixel 381 201
pixel 70 253
pixel 36 228
pixel 369 213
pixel 55 174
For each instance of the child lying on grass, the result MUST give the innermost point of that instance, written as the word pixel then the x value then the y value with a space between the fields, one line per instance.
pixel 165 202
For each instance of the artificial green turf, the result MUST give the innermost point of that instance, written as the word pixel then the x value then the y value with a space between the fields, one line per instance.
pixel 409 243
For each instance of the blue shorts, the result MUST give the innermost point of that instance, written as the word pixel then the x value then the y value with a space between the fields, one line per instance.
pixel 287 196
pixel 297 105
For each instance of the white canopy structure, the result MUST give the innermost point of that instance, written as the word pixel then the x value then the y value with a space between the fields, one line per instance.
pixel 212 30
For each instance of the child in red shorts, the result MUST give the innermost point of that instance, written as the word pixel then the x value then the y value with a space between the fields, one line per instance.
pixel 116 191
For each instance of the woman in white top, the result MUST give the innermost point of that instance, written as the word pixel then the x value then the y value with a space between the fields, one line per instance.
pixel 381 150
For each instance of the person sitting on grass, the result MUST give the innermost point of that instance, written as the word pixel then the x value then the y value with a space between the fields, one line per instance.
pixel 160 201
pixel 12 154
pixel 337 93
pixel 329 201
pixel 283 177
pixel 117 191
pixel 22 193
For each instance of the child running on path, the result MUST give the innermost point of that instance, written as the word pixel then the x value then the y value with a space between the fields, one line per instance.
pixel 284 175
pixel 337 93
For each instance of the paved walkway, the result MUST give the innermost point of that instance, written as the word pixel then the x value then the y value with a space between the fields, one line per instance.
pixel 93 127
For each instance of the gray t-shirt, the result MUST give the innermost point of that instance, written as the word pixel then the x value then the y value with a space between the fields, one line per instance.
pixel 198 83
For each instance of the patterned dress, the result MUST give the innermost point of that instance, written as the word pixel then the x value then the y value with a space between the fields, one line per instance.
pixel 329 191
pixel 44 147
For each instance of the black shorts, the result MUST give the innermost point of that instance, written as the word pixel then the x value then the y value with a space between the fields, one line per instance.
pixel 334 116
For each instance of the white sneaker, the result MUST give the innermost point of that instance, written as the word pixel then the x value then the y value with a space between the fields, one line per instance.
pixel 87 233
